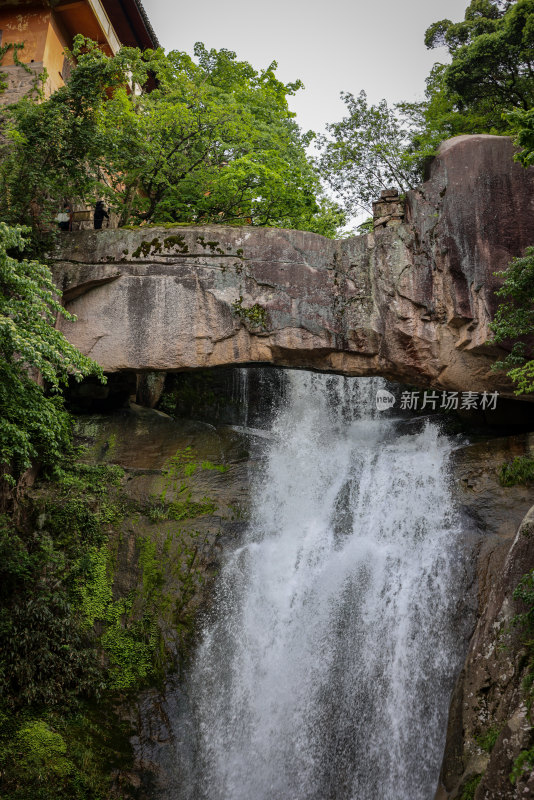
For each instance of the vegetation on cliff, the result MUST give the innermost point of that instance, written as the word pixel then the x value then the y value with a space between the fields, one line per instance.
pixel 71 642
pixel 524 621
pixel 51 673
pixel 522 123
pixel 78 635
pixel 35 361
pixel 514 320
pixel 519 470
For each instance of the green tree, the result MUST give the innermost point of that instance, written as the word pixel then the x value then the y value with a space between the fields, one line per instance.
pixel 54 151
pixel 164 139
pixel 522 124
pixel 514 320
pixel 214 142
pixel 492 66
pixel 487 88
pixel 35 361
pixel 369 150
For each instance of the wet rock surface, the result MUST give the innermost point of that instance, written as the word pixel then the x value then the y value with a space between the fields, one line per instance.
pixel 496 510
pixel 488 721
pixel 411 302
pixel 143 441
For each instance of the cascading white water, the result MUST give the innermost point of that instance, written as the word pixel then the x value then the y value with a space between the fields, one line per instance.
pixel 325 669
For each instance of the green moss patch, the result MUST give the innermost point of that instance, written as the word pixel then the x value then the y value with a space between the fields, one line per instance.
pixel 470 787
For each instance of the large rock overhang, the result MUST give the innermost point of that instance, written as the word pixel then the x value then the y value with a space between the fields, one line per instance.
pixel 411 303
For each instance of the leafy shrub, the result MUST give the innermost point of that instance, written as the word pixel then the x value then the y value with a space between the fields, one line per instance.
pixel 524 592
pixel 42 750
pixel 514 320
pixel 46 656
pixel 33 423
pixel 69 755
pixel 129 645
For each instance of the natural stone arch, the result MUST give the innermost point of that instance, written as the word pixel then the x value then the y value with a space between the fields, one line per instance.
pixel 411 302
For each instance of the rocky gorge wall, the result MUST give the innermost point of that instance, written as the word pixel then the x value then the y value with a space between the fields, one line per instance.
pixel 488 725
pixel 411 301
pixel 183 496
pixel 489 730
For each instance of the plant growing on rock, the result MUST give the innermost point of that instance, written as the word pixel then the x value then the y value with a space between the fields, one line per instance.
pixel 56 739
pixel 470 787
pixel 524 763
pixel 522 124
pixel 255 315
pixel 520 470
pixel 524 593
pixel 514 320
pixel 177 472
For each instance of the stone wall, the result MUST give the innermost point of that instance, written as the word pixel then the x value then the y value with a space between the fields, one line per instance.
pixel 388 212
pixel 19 81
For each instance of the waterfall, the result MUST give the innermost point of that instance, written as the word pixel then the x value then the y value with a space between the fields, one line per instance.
pixel 325 667
pixel 240 394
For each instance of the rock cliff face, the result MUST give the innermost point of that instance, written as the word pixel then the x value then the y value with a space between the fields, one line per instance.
pixel 411 302
pixel 489 726
pixel 184 553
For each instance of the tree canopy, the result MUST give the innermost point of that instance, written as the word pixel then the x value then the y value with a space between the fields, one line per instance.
pixel 488 87
pixel 492 67
pixel 164 138
pixel 367 151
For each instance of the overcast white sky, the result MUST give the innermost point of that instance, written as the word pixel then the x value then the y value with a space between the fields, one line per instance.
pixel 332 45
